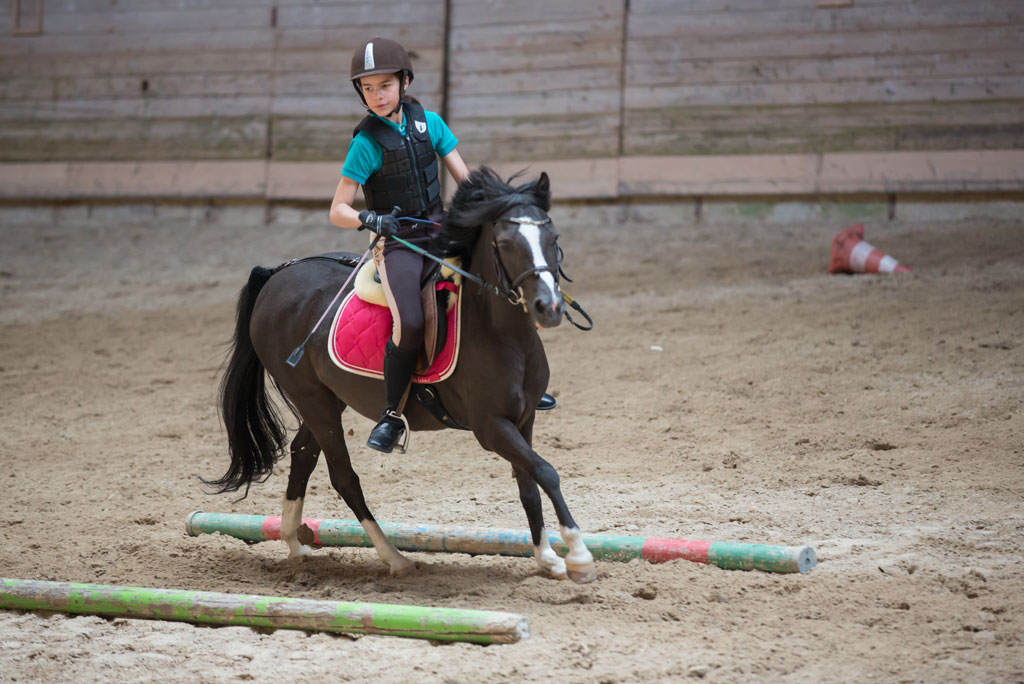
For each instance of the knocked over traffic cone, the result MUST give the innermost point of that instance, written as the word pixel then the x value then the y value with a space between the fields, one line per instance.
pixel 851 254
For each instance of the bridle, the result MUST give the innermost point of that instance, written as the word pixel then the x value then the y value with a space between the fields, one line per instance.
pixel 513 292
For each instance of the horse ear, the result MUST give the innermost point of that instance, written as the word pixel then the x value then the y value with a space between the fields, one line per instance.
pixel 542 190
pixel 543 184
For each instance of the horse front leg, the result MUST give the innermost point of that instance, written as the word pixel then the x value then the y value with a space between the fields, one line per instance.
pixel 504 438
pixel 529 494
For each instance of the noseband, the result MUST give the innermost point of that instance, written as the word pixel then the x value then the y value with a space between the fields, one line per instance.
pixel 514 291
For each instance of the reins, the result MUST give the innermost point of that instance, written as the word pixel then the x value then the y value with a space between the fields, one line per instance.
pixel 511 293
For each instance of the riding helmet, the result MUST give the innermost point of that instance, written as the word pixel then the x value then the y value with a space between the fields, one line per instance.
pixel 380 56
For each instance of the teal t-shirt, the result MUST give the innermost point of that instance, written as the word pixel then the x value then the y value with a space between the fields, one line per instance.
pixel 364 156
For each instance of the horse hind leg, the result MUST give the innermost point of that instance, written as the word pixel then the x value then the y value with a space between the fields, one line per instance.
pixel 321 412
pixel 305 452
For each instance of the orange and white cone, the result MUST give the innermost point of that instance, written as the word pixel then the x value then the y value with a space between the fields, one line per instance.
pixel 851 254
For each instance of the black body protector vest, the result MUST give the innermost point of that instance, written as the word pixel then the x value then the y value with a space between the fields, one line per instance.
pixel 408 176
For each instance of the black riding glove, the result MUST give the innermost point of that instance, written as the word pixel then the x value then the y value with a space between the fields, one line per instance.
pixel 384 225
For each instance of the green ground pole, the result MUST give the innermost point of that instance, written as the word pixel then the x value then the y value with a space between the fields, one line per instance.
pixel 206 607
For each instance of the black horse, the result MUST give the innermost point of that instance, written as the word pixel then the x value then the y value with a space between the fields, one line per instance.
pixel 505 236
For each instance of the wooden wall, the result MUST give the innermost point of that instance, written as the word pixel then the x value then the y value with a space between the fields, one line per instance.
pixel 619 95
pixel 199 79
pixel 712 77
pixel 536 80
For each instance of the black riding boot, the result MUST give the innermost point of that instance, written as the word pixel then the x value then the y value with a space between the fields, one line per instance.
pixel 546 403
pixel 399 365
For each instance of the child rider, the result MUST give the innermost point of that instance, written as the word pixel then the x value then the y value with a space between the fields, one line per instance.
pixel 393 155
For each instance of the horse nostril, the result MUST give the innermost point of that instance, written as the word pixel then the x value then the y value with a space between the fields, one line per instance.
pixel 553 310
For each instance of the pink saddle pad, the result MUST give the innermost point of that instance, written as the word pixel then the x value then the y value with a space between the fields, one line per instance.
pixel 360 330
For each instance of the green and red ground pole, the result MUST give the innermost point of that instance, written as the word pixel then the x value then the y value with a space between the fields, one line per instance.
pixel 506 542
pixel 277 612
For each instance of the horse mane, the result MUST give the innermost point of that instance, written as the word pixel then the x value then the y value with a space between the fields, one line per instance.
pixel 482 198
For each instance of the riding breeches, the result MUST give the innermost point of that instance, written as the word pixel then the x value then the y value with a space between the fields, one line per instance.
pixel 401 273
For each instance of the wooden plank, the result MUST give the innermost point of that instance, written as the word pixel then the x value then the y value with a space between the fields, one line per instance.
pixel 108 6
pixel 118 180
pixel 572 178
pixel 888 90
pixel 37 139
pixel 368 14
pixel 111 24
pixel 953 171
pixel 789 21
pixel 514 14
pixel 521 104
pixel 168 63
pixel 540 35
pixel 823 128
pixel 600 54
pixel 424 58
pixel 141 108
pixel 141 43
pixel 795 140
pixel 303 181
pixel 881 172
pixel 313 138
pixel 578 79
pixel 859 68
pixel 413 37
pixel 825 116
pixel 661 7
pixel 820 45
pixel 524 150
pixel 156 86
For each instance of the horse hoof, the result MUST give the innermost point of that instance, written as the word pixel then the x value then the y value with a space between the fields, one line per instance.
pixel 557 572
pixel 582 574
pixel 403 569
pixel 300 552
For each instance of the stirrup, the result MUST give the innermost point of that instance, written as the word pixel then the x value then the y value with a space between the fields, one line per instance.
pixel 399 443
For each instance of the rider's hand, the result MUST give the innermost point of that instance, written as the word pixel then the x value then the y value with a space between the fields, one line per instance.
pixel 384 225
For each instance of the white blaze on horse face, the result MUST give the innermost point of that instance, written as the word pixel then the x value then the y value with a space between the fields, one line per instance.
pixel 531 233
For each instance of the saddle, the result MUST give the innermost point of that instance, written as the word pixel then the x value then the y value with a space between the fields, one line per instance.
pixel 435 299
pixel 362 326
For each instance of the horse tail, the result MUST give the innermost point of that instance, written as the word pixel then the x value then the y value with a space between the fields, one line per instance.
pixel 256 433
